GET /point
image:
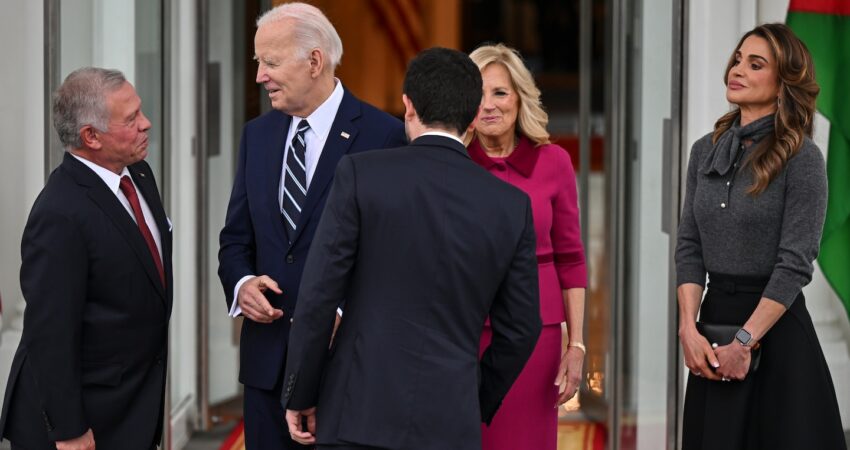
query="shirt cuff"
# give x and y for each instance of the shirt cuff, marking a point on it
(339, 311)
(235, 310)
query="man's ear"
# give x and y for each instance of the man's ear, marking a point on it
(90, 138)
(471, 127)
(409, 110)
(317, 62)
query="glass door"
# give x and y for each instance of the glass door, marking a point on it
(645, 117)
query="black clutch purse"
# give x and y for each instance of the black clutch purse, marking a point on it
(725, 334)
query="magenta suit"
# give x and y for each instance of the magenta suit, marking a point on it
(528, 418)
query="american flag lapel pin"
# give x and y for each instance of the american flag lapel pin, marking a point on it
(345, 135)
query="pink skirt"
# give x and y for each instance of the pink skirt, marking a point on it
(528, 418)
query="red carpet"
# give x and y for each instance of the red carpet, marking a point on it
(571, 436)
(236, 439)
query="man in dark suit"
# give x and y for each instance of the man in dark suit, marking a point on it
(424, 245)
(96, 278)
(287, 159)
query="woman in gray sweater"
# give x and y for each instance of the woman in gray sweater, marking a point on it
(752, 220)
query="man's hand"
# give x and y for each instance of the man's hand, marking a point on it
(569, 374)
(84, 442)
(294, 420)
(254, 304)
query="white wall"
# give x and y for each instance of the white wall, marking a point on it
(21, 151)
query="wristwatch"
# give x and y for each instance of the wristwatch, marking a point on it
(744, 337)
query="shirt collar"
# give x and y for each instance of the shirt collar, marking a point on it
(440, 133)
(112, 180)
(323, 117)
(522, 159)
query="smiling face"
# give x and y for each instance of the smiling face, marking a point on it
(752, 81)
(125, 141)
(499, 105)
(283, 72)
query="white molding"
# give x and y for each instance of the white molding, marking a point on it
(183, 416)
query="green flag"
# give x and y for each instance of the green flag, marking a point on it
(824, 26)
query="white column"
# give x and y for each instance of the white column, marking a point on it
(183, 335)
(22, 153)
(114, 36)
(828, 314)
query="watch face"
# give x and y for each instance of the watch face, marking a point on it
(743, 336)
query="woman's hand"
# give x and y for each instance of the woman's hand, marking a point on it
(699, 356)
(569, 374)
(734, 361)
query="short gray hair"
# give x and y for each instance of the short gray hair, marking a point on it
(81, 101)
(312, 29)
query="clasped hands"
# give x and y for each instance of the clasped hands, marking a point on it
(723, 363)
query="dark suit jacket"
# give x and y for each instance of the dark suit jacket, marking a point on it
(424, 244)
(254, 241)
(93, 350)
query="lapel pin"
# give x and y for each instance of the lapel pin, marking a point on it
(142, 174)
(345, 135)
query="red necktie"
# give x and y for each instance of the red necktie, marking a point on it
(130, 192)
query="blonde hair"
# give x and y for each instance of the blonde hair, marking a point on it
(795, 104)
(531, 118)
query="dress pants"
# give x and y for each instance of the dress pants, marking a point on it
(265, 421)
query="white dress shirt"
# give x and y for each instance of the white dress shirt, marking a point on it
(321, 121)
(443, 134)
(113, 182)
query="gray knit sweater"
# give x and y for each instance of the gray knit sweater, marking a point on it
(774, 235)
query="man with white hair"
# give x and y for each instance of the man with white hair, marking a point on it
(287, 159)
(96, 277)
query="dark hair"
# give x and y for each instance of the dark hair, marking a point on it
(445, 88)
(795, 105)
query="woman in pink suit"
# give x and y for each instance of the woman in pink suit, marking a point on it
(510, 141)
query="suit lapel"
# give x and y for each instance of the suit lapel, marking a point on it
(274, 149)
(112, 208)
(342, 134)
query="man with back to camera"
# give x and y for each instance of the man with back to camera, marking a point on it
(424, 244)
(287, 159)
(96, 276)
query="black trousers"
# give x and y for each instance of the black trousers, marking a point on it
(788, 404)
(265, 421)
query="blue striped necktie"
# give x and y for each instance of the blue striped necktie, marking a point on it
(295, 180)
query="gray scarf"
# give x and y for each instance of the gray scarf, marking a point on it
(726, 150)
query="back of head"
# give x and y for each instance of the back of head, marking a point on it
(81, 101)
(310, 27)
(445, 88)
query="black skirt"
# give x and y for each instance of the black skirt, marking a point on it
(788, 404)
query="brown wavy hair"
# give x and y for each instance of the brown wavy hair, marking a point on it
(795, 104)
